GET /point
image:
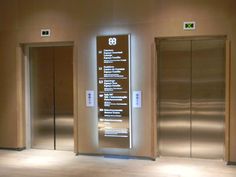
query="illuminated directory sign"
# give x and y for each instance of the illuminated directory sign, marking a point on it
(113, 83)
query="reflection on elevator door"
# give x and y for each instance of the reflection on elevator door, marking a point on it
(51, 97)
(191, 98)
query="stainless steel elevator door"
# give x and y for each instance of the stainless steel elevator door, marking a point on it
(64, 98)
(51, 85)
(42, 99)
(208, 98)
(174, 98)
(191, 98)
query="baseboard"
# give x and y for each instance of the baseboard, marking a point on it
(231, 163)
(89, 154)
(13, 149)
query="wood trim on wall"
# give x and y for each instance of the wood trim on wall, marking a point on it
(20, 98)
(157, 41)
(154, 105)
(75, 90)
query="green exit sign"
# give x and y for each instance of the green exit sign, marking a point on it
(189, 25)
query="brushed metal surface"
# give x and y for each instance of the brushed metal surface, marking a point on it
(64, 97)
(192, 98)
(208, 98)
(174, 98)
(42, 108)
(52, 97)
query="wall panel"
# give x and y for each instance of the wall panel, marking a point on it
(8, 97)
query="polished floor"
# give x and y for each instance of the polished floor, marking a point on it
(43, 163)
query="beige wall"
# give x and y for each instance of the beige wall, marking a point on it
(81, 21)
(8, 137)
(7, 91)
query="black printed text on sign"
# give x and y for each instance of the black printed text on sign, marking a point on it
(114, 119)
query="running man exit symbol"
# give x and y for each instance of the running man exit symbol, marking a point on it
(189, 25)
(45, 32)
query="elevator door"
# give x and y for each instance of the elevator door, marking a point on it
(191, 98)
(51, 86)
